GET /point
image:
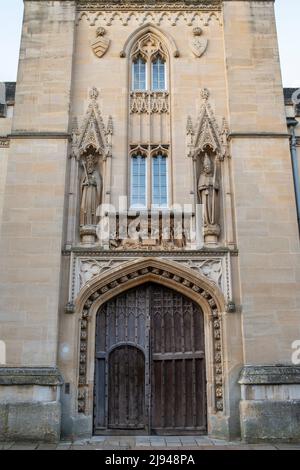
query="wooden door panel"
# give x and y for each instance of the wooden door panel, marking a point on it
(178, 364)
(150, 363)
(126, 388)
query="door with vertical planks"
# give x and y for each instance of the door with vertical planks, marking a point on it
(178, 379)
(150, 364)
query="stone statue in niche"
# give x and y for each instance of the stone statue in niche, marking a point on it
(91, 191)
(208, 192)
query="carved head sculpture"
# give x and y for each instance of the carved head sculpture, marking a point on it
(207, 166)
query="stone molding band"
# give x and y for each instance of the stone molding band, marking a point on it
(270, 375)
(40, 135)
(42, 376)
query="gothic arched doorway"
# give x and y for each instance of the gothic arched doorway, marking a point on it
(150, 364)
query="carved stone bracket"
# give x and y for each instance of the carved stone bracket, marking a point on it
(152, 272)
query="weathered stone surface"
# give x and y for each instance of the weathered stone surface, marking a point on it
(30, 376)
(263, 420)
(269, 374)
(30, 422)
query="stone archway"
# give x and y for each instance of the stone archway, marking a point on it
(134, 273)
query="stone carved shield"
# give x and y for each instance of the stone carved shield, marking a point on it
(198, 45)
(101, 44)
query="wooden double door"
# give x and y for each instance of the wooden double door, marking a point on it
(150, 364)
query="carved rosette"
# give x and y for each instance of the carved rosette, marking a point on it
(215, 318)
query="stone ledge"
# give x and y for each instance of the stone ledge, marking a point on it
(270, 375)
(30, 376)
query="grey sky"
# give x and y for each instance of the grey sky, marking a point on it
(287, 12)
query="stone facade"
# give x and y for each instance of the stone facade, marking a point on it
(66, 146)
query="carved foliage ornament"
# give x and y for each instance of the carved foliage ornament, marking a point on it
(151, 4)
(215, 318)
(93, 133)
(157, 16)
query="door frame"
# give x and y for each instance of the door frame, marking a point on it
(182, 279)
(148, 355)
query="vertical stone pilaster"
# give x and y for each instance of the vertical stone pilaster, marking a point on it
(266, 222)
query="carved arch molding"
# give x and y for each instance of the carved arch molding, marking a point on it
(138, 274)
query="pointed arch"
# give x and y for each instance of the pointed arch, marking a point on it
(149, 28)
(132, 274)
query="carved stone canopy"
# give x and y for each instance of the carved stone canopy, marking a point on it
(207, 135)
(93, 133)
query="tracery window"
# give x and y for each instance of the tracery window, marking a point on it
(149, 124)
(158, 74)
(153, 163)
(159, 181)
(149, 68)
(138, 181)
(139, 74)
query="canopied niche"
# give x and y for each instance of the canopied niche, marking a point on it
(207, 146)
(92, 149)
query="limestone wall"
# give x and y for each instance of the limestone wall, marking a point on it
(35, 187)
(266, 224)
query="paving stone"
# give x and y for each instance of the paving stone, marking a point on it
(143, 444)
(262, 447)
(81, 447)
(6, 445)
(80, 442)
(97, 439)
(188, 440)
(24, 446)
(63, 447)
(47, 447)
(287, 446)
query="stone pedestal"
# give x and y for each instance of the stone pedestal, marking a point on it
(30, 407)
(211, 235)
(270, 403)
(88, 234)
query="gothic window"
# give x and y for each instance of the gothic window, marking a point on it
(149, 68)
(159, 181)
(158, 74)
(149, 123)
(138, 181)
(139, 74)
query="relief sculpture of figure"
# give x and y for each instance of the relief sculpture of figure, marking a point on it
(208, 191)
(91, 190)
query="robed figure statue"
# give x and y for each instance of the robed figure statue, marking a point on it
(91, 191)
(208, 191)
